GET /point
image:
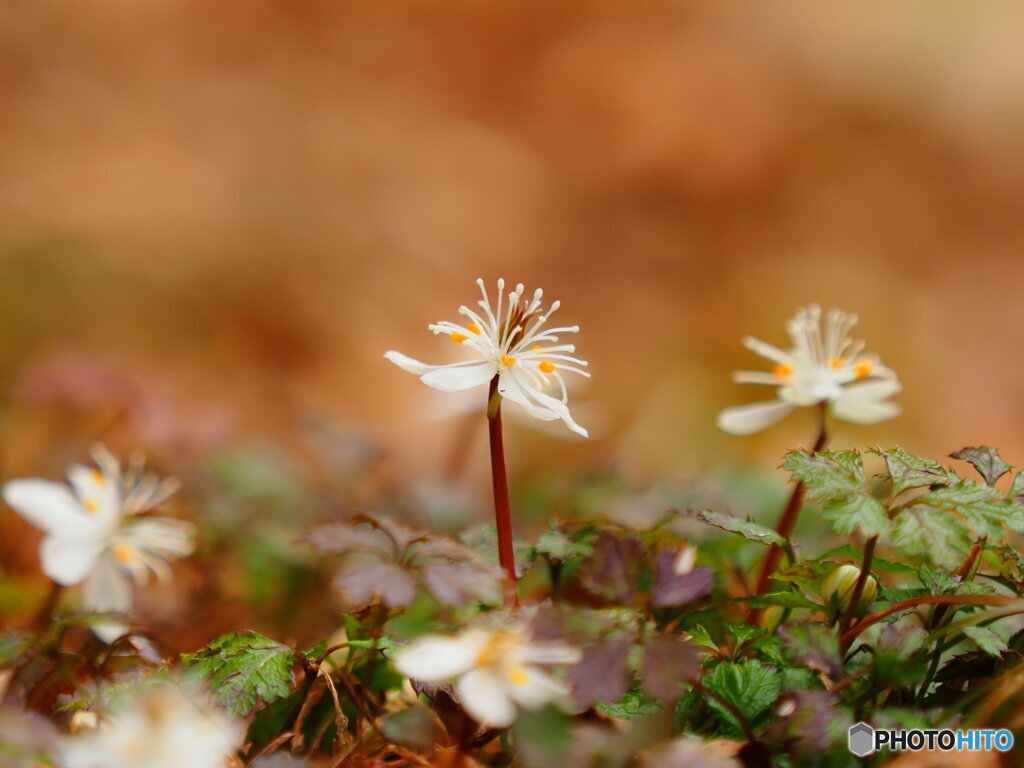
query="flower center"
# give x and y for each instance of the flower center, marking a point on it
(783, 371)
(546, 366)
(508, 361)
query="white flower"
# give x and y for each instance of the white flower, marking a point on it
(495, 670)
(513, 343)
(94, 533)
(159, 728)
(820, 367)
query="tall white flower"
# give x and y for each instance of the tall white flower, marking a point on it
(94, 532)
(161, 727)
(494, 669)
(822, 365)
(512, 342)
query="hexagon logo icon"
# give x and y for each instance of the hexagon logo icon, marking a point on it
(861, 739)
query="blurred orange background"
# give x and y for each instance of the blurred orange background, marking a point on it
(216, 217)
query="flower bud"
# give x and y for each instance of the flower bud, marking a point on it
(841, 583)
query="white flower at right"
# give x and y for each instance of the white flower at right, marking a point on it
(95, 534)
(495, 670)
(821, 366)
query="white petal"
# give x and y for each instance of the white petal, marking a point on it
(747, 419)
(532, 688)
(164, 536)
(97, 491)
(67, 559)
(108, 588)
(51, 507)
(407, 363)
(537, 404)
(433, 659)
(483, 694)
(459, 376)
(865, 403)
(549, 653)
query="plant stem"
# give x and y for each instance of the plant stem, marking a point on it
(858, 588)
(499, 478)
(787, 522)
(44, 616)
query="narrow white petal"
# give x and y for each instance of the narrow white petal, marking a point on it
(434, 659)
(459, 376)
(872, 389)
(532, 688)
(484, 695)
(407, 363)
(68, 559)
(50, 507)
(747, 419)
(865, 403)
(537, 404)
(549, 653)
(108, 588)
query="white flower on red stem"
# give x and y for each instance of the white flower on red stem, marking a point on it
(495, 670)
(95, 535)
(821, 366)
(513, 343)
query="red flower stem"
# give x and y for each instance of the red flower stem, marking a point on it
(788, 521)
(499, 478)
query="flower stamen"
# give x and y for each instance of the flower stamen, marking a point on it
(546, 366)
(783, 372)
(508, 361)
(458, 338)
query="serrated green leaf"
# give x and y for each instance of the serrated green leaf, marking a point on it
(835, 480)
(987, 639)
(700, 636)
(909, 471)
(748, 529)
(932, 534)
(558, 545)
(744, 632)
(786, 599)
(242, 669)
(986, 460)
(1017, 486)
(984, 509)
(631, 706)
(806, 574)
(750, 686)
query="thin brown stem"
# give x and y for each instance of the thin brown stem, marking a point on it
(847, 639)
(965, 573)
(44, 616)
(858, 588)
(499, 478)
(787, 522)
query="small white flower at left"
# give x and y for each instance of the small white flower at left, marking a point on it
(495, 670)
(95, 535)
(162, 726)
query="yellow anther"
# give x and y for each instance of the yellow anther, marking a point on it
(97, 477)
(508, 361)
(537, 348)
(546, 366)
(518, 676)
(474, 328)
(92, 506)
(783, 371)
(124, 552)
(836, 363)
(458, 338)
(863, 368)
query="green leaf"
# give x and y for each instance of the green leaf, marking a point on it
(744, 632)
(806, 574)
(984, 509)
(850, 552)
(787, 599)
(987, 639)
(748, 529)
(700, 636)
(557, 545)
(631, 706)
(835, 480)
(986, 460)
(1017, 486)
(909, 471)
(938, 537)
(243, 669)
(750, 686)
(13, 646)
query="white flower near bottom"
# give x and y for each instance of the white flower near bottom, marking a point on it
(495, 671)
(162, 727)
(511, 342)
(822, 366)
(95, 535)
